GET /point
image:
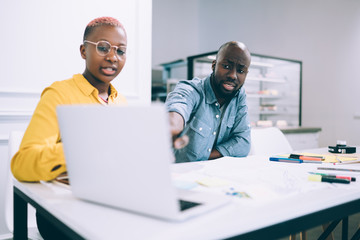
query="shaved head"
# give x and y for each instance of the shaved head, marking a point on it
(240, 45)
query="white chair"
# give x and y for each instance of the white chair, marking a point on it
(6, 200)
(269, 141)
(5, 232)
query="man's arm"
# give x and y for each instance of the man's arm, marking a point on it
(238, 143)
(41, 155)
(215, 154)
(176, 127)
(180, 103)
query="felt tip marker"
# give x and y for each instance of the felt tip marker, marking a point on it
(311, 161)
(288, 160)
(319, 178)
(310, 158)
(352, 179)
(291, 160)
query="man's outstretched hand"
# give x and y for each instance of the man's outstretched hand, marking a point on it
(176, 127)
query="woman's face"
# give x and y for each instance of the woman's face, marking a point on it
(104, 68)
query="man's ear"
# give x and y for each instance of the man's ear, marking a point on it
(82, 51)
(213, 65)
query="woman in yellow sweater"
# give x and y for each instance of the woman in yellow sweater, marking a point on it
(41, 156)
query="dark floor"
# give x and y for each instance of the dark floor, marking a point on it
(314, 233)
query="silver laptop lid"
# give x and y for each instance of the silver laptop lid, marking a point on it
(120, 156)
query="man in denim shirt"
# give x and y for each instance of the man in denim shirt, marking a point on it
(210, 115)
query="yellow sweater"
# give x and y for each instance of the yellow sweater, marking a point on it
(41, 156)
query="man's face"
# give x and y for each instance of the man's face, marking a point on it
(230, 70)
(104, 68)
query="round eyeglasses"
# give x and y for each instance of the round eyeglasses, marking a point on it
(103, 48)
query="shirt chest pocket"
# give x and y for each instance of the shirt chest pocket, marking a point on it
(200, 127)
(230, 122)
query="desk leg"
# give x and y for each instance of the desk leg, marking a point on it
(345, 228)
(356, 235)
(20, 217)
(329, 230)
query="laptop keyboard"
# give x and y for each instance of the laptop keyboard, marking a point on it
(186, 204)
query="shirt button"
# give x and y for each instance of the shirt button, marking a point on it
(200, 129)
(209, 150)
(216, 104)
(217, 116)
(214, 133)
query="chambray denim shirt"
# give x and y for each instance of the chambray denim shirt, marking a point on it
(195, 101)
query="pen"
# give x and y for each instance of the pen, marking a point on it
(352, 179)
(338, 169)
(319, 178)
(289, 160)
(309, 158)
(311, 161)
(346, 162)
(302, 157)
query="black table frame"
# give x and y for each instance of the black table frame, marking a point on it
(334, 214)
(20, 217)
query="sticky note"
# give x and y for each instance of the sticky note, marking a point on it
(212, 182)
(185, 184)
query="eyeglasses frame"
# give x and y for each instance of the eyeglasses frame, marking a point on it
(111, 46)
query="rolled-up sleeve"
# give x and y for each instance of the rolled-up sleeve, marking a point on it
(183, 99)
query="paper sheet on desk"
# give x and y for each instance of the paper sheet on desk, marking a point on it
(263, 183)
(330, 158)
(213, 182)
(334, 158)
(256, 177)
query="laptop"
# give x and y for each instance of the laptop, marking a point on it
(120, 156)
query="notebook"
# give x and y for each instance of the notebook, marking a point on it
(121, 156)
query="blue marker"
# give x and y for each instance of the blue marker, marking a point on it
(288, 160)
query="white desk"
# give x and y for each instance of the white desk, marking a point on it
(283, 202)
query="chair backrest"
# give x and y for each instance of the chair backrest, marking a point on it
(268, 141)
(15, 138)
(6, 185)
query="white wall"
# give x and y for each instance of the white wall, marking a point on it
(324, 34)
(40, 43)
(175, 30)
